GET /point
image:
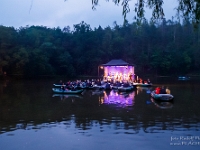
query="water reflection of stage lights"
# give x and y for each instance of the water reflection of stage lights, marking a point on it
(120, 99)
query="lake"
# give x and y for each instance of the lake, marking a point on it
(34, 118)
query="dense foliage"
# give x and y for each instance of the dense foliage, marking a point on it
(164, 48)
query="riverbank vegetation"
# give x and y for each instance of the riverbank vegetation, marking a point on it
(163, 48)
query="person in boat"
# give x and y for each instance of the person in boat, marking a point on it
(130, 77)
(61, 82)
(107, 86)
(148, 81)
(68, 83)
(157, 90)
(102, 82)
(126, 84)
(93, 82)
(89, 84)
(168, 90)
(73, 88)
(140, 80)
(63, 87)
(83, 84)
(97, 82)
(163, 90)
(143, 81)
(118, 84)
(78, 84)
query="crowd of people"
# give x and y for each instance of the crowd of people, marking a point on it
(130, 78)
(80, 84)
(90, 83)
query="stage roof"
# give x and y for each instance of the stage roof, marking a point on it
(117, 62)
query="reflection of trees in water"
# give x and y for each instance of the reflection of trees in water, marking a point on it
(36, 112)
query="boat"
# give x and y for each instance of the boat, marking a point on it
(162, 97)
(66, 91)
(143, 84)
(65, 96)
(125, 89)
(87, 87)
(105, 86)
(99, 87)
(70, 86)
(115, 86)
(59, 85)
(184, 78)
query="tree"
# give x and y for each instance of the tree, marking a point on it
(8, 38)
(19, 60)
(185, 8)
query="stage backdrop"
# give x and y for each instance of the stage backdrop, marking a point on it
(118, 69)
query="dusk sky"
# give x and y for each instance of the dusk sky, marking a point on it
(60, 13)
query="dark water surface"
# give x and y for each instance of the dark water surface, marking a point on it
(33, 118)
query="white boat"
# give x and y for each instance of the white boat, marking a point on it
(162, 97)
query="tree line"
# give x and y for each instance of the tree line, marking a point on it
(164, 48)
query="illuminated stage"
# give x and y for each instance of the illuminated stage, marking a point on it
(118, 70)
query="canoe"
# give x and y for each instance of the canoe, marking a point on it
(162, 97)
(60, 91)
